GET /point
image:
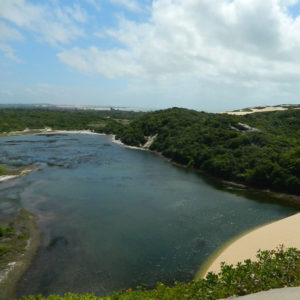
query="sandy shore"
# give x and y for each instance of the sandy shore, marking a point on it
(150, 141)
(7, 177)
(13, 267)
(268, 237)
(19, 173)
(118, 142)
(47, 131)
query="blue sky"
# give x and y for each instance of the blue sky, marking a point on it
(211, 55)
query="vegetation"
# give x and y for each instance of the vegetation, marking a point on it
(13, 239)
(5, 234)
(273, 269)
(260, 149)
(18, 119)
(2, 170)
(19, 239)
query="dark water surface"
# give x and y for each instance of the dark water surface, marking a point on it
(114, 218)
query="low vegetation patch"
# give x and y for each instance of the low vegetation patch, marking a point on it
(19, 240)
(6, 237)
(259, 149)
(273, 269)
(2, 170)
(13, 240)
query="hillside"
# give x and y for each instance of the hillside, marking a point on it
(259, 149)
(18, 119)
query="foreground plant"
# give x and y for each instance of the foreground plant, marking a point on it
(273, 269)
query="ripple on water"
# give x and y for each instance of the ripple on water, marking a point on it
(113, 218)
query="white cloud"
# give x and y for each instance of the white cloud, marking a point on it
(8, 52)
(94, 3)
(77, 13)
(52, 23)
(8, 34)
(246, 42)
(131, 5)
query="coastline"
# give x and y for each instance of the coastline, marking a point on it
(273, 196)
(284, 198)
(245, 246)
(18, 262)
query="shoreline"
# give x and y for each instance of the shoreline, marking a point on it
(245, 246)
(212, 263)
(281, 197)
(207, 265)
(47, 131)
(274, 196)
(9, 175)
(16, 265)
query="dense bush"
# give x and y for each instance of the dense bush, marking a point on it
(261, 149)
(2, 170)
(19, 119)
(5, 232)
(273, 269)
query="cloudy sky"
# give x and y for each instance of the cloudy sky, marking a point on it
(208, 55)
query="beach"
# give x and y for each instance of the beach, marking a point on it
(268, 237)
(47, 131)
(16, 173)
(14, 264)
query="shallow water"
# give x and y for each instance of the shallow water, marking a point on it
(113, 218)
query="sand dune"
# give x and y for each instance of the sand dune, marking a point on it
(285, 231)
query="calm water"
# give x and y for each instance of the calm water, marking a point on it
(114, 218)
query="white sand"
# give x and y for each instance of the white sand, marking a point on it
(7, 177)
(24, 172)
(150, 141)
(118, 142)
(268, 237)
(72, 132)
(146, 146)
(254, 110)
(48, 131)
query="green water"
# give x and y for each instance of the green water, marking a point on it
(113, 218)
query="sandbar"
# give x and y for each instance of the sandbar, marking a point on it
(268, 237)
(14, 264)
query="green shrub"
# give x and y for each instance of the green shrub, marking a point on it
(4, 250)
(273, 269)
(5, 232)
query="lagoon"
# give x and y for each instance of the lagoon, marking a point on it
(115, 218)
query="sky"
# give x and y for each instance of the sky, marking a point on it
(210, 55)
